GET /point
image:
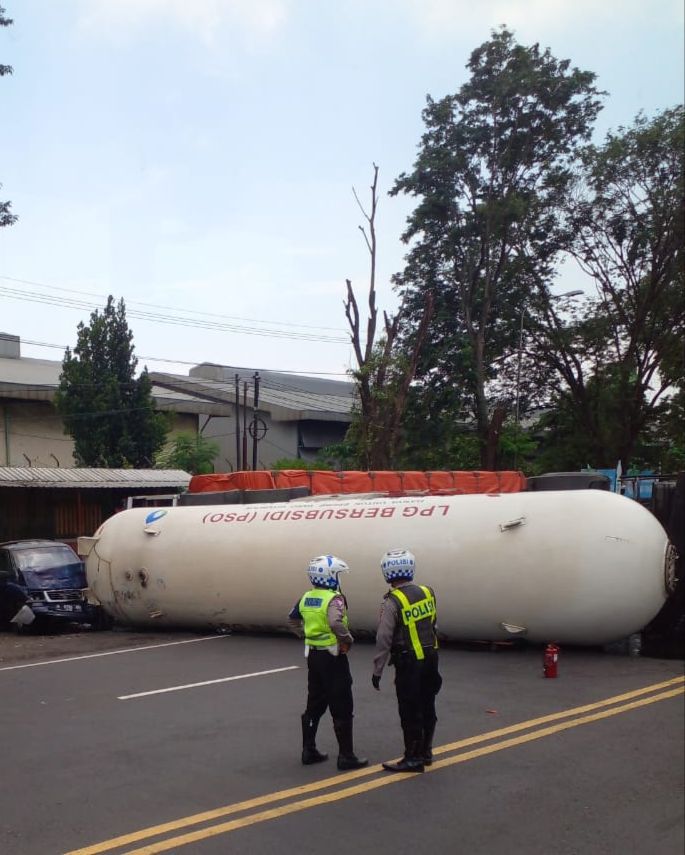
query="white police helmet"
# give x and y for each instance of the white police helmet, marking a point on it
(324, 571)
(398, 564)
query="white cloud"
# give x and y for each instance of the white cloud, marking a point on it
(450, 16)
(203, 18)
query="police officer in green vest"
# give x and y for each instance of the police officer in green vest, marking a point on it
(406, 636)
(321, 615)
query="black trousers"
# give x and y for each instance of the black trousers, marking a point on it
(417, 682)
(329, 685)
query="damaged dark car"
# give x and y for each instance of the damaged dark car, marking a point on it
(44, 581)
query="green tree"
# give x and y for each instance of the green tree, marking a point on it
(299, 463)
(670, 434)
(339, 455)
(493, 168)
(6, 217)
(107, 410)
(190, 452)
(618, 364)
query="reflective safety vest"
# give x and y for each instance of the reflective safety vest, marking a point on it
(417, 614)
(314, 610)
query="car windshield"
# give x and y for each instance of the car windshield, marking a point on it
(45, 558)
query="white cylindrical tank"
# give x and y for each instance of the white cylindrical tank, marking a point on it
(579, 566)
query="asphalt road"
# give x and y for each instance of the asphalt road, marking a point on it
(93, 752)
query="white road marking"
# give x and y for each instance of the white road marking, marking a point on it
(110, 653)
(206, 683)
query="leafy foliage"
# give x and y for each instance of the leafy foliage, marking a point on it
(298, 463)
(669, 434)
(377, 431)
(340, 455)
(518, 449)
(5, 22)
(6, 216)
(493, 169)
(617, 364)
(190, 452)
(107, 410)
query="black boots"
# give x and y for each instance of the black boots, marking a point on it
(343, 731)
(413, 760)
(427, 752)
(347, 759)
(309, 752)
(418, 751)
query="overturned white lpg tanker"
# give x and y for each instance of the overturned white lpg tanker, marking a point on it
(577, 567)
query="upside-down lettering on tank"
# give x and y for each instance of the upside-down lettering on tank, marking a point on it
(539, 580)
(328, 514)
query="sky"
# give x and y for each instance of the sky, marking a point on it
(198, 158)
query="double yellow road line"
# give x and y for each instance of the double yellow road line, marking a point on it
(342, 786)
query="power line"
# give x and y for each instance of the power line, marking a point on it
(266, 384)
(167, 308)
(15, 433)
(169, 360)
(286, 451)
(173, 320)
(277, 389)
(305, 394)
(226, 387)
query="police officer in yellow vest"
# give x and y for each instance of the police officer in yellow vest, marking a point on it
(406, 635)
(321, 614)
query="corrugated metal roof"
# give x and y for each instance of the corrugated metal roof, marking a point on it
(278, 379)
(283, 402)
(30, 372)
(17, 476)
(208, 389)
(37, 380)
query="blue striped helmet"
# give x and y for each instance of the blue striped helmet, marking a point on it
(324, 571)
(398, 564)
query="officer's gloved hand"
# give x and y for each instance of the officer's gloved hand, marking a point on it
(376, 682)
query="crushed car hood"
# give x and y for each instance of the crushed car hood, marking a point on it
(69, 576)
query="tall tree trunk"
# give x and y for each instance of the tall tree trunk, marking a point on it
(494, 430)
(380, 373)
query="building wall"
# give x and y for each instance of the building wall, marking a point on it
(292, 440)
(31, 434)
(280, 441)
(61, 513)
(315, 435)
(182, 423)
(50, 513)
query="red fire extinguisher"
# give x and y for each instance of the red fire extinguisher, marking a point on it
(550, 660)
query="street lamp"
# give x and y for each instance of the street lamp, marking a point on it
(575, 293)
